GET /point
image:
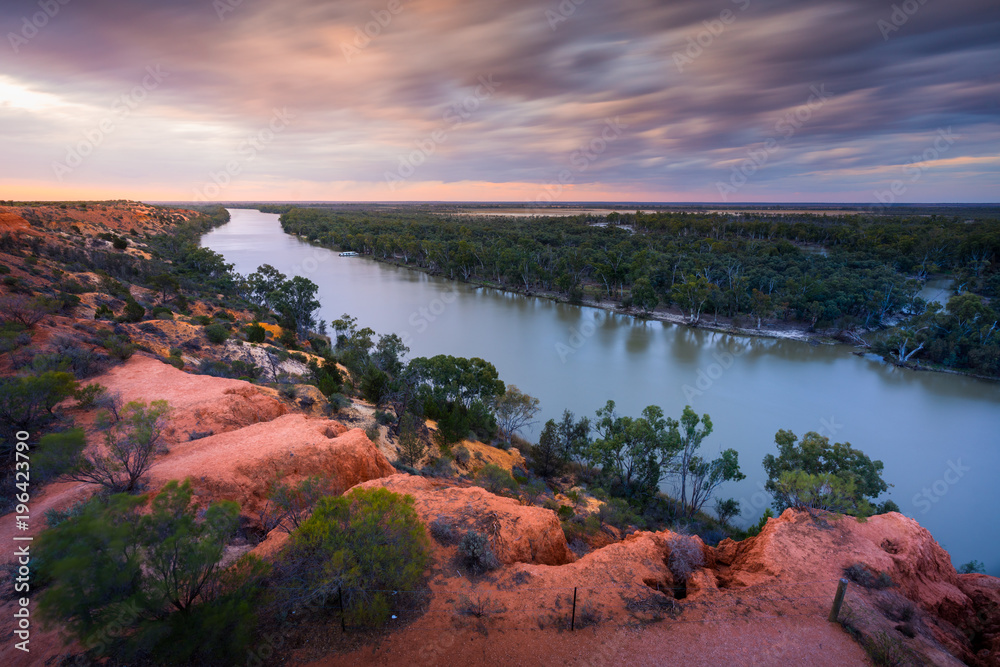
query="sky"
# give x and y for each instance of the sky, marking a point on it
(515, 100)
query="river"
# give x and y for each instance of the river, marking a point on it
(936, 433)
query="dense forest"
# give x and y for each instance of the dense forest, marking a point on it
(857, 276)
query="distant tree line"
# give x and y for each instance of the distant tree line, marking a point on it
(857, 273)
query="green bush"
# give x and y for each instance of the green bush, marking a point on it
(290, 503)
(462, 456)
(134, 586)
(972, 567)
(367, 543)
(477, 554)
(495, 479)
(119, 346)
(216, 334)
(26, 404)
(56, 453)
(564, 512)
(85, 396)
(103, 312)
(255, 333)
(618, 513)
(164, 311)
(133, 312)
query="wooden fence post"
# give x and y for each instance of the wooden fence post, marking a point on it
(572, 620)
(838, 600)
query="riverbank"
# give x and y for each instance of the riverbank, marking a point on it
(773, 329)
(719, 324)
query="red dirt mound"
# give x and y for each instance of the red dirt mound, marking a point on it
(518, 533)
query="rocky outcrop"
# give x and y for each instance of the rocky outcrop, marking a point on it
(242, 465)
(199, 404)
(518, 533)
(946, 613)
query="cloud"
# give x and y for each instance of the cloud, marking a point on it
(369, 80)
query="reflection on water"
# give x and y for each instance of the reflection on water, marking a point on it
(578, 357)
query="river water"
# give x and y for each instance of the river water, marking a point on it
(936, 433)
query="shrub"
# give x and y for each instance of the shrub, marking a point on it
(119, 242)
(255, 333)
(164, 311)
(87, 395)
(57, 452)
(216, 334)
(618, 513)
(865, 576)
(367, 543)
(119, 346)
(26, 403)
(443, 531)
(104, 312)
(83, 362)
(133, 312)
(495, 479)
(533, 490)
(462, 455)
(438, 467)
(972, 567)
(373, 433)
(685, 556)
(24, 310)
(564, 512)
(130, 446)
(54, 517)
(291, 503)
(132, 585)
(411, 446)
(477, 554)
